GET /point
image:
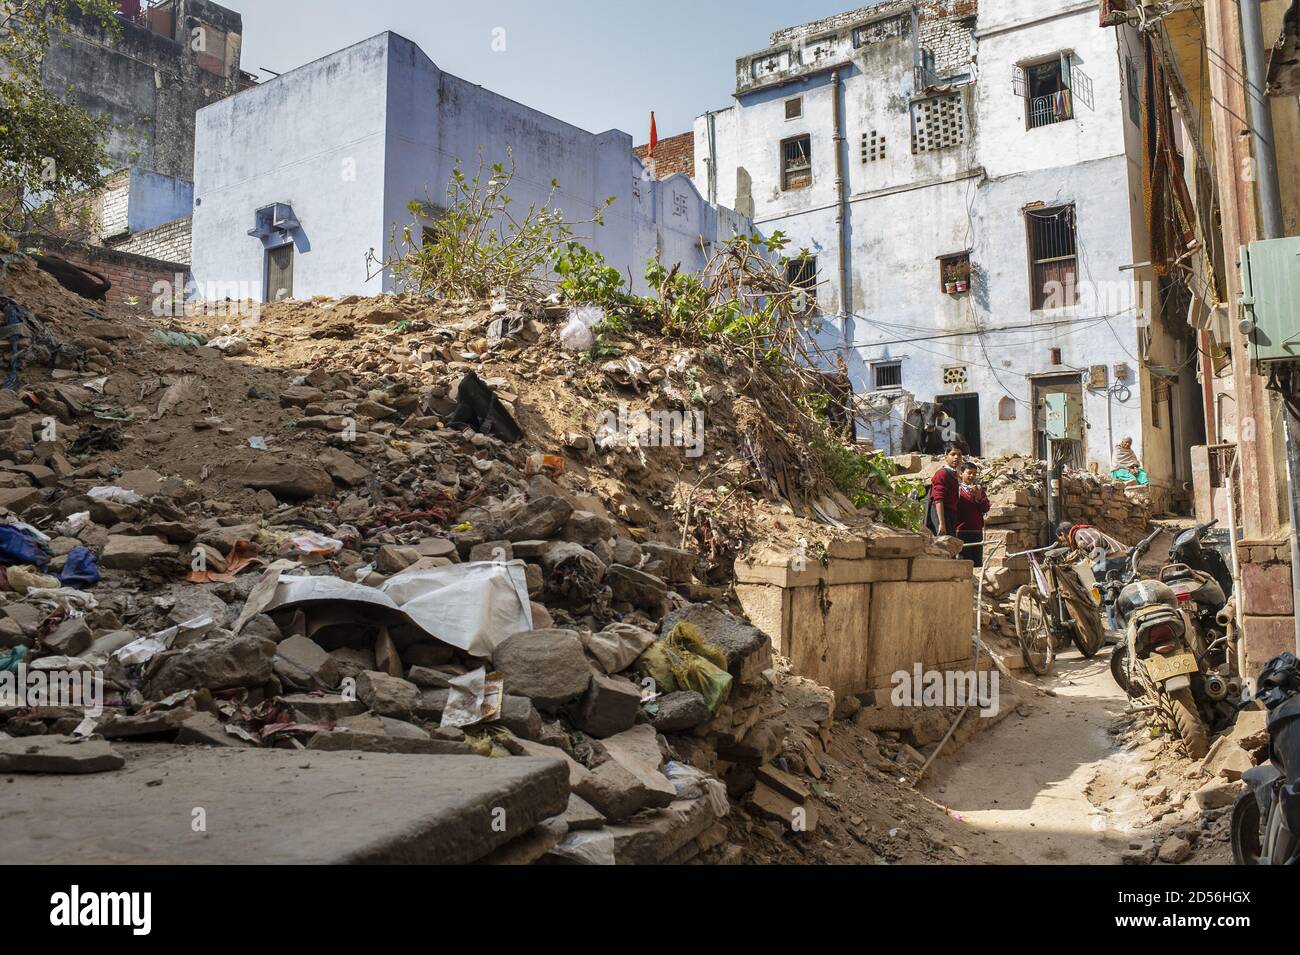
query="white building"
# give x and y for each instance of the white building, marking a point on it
(899, 141)
(298, 178)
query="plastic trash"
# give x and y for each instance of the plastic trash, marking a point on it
(575, 336)
(9, 659)
(144, 649)
(19, 547)
(80, 569)
(685, 661)
(73, 524)
(473, 697)
(311, 544)
(118, 495)
(595, 847)
(24, 578)
(692, 783)
(229, 344)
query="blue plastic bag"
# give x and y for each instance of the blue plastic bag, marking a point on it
(80, 569)
(17, 547)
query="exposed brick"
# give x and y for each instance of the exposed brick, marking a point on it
(672, 155)
(133, 276)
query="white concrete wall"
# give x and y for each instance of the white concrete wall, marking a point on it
(313, 138)
(391, 132)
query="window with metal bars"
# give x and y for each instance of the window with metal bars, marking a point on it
(796, 162)
(1047, 92)
(802, 273)
(1053, 257)
(887, 374)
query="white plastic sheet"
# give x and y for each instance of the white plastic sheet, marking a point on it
(472, 606)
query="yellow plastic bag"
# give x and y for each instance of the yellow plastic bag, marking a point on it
(686, 661)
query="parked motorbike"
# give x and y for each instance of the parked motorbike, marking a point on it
(1189, 549)
(1192, 574)
(1164, 662)
(1265, 825)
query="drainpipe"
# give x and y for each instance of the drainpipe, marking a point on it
(713, 157)
(1271, 227)
(839, 198)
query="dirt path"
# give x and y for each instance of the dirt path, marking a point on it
(1025, 781)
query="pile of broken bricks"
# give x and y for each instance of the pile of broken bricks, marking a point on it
(184, 626)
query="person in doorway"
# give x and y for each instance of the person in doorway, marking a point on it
(1125, 465)
(945, 491)
(972, 505)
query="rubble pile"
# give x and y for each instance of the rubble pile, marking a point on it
(1184, 807)
(385, 526)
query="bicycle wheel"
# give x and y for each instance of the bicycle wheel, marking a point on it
(1088, 633)
(1034, 630)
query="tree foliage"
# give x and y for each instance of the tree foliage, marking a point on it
(50, 148)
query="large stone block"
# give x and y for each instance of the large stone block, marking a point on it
(914, 622)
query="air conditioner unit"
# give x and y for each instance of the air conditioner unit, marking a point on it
(1270, 278)
(274, 223)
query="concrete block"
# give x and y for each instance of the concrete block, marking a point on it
(277, 807)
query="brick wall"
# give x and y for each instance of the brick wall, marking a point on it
(169, 242)
(1267, 604)
(133, 276)
(672, 155)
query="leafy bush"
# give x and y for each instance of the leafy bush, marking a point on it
(478, 246)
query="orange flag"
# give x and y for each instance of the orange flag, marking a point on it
(654, 135)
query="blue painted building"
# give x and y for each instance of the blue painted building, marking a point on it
(298, 178)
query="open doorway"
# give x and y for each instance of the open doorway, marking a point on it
(965, 411)
(278, 273)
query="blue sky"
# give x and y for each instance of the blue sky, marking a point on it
(598, 65)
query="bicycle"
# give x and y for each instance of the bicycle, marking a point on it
(1054, 610)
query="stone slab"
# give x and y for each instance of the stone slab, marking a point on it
(279, 807)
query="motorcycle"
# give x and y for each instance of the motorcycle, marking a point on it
(1193, 575)
(1265, 826)
(1188, 549)
(1164, 661)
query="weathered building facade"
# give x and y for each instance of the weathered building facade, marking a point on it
(340, 179)
(966, 177)
(171, 59)
(1196, 94)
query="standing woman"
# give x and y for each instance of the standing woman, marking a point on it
(972, 505)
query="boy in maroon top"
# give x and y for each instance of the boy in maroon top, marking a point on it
(972, 505)
(944, 493)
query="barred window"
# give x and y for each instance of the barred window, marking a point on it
(1053, 257)
(796, 162)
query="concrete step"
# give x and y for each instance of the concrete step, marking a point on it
(200, 806)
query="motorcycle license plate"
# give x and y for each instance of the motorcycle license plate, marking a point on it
(1162, 668)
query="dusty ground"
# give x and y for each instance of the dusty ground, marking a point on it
(1078, 779)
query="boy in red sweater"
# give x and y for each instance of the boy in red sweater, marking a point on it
(942, 518)
(972, 505)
